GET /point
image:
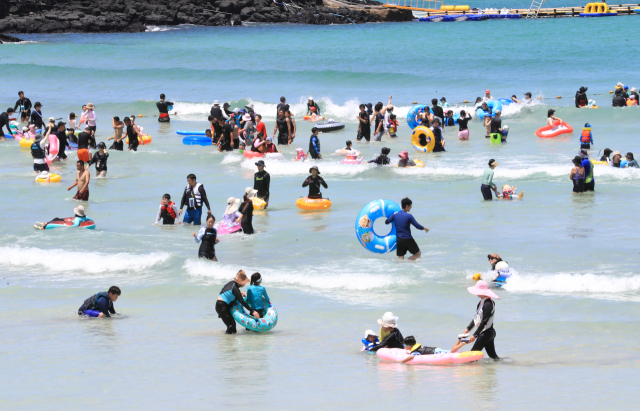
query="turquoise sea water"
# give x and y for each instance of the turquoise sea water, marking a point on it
(566, 322)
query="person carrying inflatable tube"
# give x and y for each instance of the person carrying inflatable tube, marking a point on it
(403, 221)
(586, 138)
(418, 115)
(228, 295)
(101, 304)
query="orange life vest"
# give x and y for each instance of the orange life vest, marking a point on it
(631, 102)
(586, 135)
(169, 209)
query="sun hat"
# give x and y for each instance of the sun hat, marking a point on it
(39, 137)
(482, 288)
(216, 103)
(52, 119)
(250, 192)
(619, 84)
(316, 168)
(260, 163)
(389, 320)
(502, 266)
(497, 111)
(232, 205)
(615, 153)
(487, 91)
(311, 98)
(79, 210)
(633, 89)
(25, 129)
(236, 110)
(91, 106)
(403, 154)
(246, 117)
(250, 106)
(583, 153)
(301, 149)
(368, 333)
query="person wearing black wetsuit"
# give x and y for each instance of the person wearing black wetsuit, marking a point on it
(163, 109)
(283, 102)
(383, 159)
(262, 182)
(437, 110)
(24, 106)
(226, 131)
(4, 121)
(36, 115)
(63, 142)
(389, 333)
(282, 126)
(364, 124)
(246, 210)
(216, 111)
(581, 97)
(208, 237)
(312, 107)
(314, 181)
(100, 160)
(230, 294)
(437, 134)
(131, 134)
(618, 100)
(217, 130)
(484, 335)
(101, 304)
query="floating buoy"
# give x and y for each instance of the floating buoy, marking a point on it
(559, 97)
(139, 115)
(465, 101)
(415, 102)
(610, 91)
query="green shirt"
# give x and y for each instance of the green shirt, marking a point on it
(487, 178)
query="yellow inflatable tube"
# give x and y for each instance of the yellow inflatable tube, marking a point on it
(53, 178)
(25, 142)
(419, 163)
(415, 139)
(141, 139)
(258, 203)
(307, 203)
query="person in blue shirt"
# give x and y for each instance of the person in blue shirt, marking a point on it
(101, 304)
(314, 145)
(228, 295)
(589, 179)
(370, 340)
(257, 296)
(405, 241)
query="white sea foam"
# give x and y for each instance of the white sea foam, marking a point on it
(573, 283)
(56, 260)
(232, 158)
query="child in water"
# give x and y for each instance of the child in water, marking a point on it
(370, 340)
(405, 161)
(586, 138)
(509, 193)
(392, 126)
(300, 155)
(414, 349)
(241, 148)
(257, 297)
(382, 159)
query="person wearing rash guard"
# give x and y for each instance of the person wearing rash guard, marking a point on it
(257, 296)
(378, 118)
(283, 127)
(79, 217)
(163, 109)
(313, 108)
(438, 135)
(370, 340)
(230, 293)
(226, 130)
(216, 111)
(581, 97)
(618, 100)
(438, 112)
(101, 304)
(283, 102)
(487, 181)
(262, 182)
(168, 211)
(404, 221)
(390, 335)
(62, 140)
(4, 122)
(496, 127)
(590, 180)
(405, 161)
(36, 115)
(314, 145)
(463, 129)
(364, 124)
(207, 237)
(132, 132)
(194, 196)
(38, 153)
(314, 181)
(100, 160)
(23, 105)
(246, 211)
(481, 327)
(382, 159)
(448, 120)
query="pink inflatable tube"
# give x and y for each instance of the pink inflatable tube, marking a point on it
(53, 149)
(228, 229)
(398, 355)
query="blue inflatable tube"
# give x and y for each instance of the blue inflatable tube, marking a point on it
(364, 226)
(505, 101)
(263, 324)
(413, 112)
(493, 104)
(190, 133)
(196, 141)
(92, 313)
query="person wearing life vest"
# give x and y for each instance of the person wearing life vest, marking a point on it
(581, 97)
(168, 211)
(163, 109)
(481, 327)
(370, 340)
(631, 101)
(589, 179)
(101, 304)
(38, 153)
(586, 138)
(194, 197)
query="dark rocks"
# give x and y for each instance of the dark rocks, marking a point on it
(8, 39)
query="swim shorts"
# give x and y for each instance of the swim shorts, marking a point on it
(406, 244)
(193, 215)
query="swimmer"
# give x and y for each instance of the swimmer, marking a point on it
(630, 161)
(349, 146)
(257, 296)
(551, 118)
(370, 340)
(405, 161)
(241, 148)
(382, 159)
(79, 217)
(364, 124)
(314, 181)
(100, 160)
(208, 238)
(443, 103)
(514, 99)
(487, 96)
(509, 193)
(300, 155)
(313, 109)
(168, 211)
(586, 138)
(101, 304)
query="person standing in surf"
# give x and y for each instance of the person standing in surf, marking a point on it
(404, 221)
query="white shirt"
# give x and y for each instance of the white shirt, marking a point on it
(91, 118)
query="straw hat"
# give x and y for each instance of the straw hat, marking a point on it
(481, 288)
(232, 205)
(389, 320)
(91, 106)
(79, 210)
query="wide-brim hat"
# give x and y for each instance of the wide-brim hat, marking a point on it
(250, 192)
(615, 153)
(482, 288)
(403, 154)
(260, 163)
(91, 106)
(389, 320)
(249, 106)
(232, 205)
(216, 103)
(79, 210)
(247, 117)
(314, 168)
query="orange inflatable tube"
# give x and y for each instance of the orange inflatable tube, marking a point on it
(559, 127)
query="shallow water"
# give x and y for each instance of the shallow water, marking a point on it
(565, 323)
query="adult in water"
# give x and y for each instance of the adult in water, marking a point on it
(438, 112)
(581, 97)
(38, 154)
(404, 221)
(496, 127)
(438, 136)
(36, 115)
(24, 106)
(390, 335)
(4, 122)
(228, 295)
(589, 180)
(132, 132)
(208, 238)
(483, 334)
(79, 217)
(314, 181)
(246, 211)
(85, 140)
(101, 304)
(262, 182)
(383, 159)
(283, 127)
(487, 181)
(313, 108)
(193, 197)
(163, 109)
(82, 182)
(463, 128)
(577, 175)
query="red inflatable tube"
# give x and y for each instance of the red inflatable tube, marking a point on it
(559, 127)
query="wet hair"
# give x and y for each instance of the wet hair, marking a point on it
(348, 142)
(528, 94)
(550, 112)
(161, 96)
(116, 118)
(514, 96)
(191, 176)
(434, 101)
(80, 162)
(73, 115)
(241, 276)
(256, 278)
(436, 120)
(242, 144)
(478, 99)
(491, 161)
(385, 150)
(607, 152)
(406, 202)
(286, 107)
(313, 130)
(259, 115)
(392, 116)
(167, 196)
(410, 340)
(207, 131)
(362, 106)
(378, 106)
(210, 216)
(630, 155)
(283, 99)
(10, 110)
(115, 290)
(463, 113)
(127, 119)
(577, 160)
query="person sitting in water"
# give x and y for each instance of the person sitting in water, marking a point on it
(630, 161)
(581, 97)
(551, 119)
(270, 147)
(413, 348)
(313, 109)
(616, 159)
(383, 159)
(618, 99)
(586, 138)
(231, 213)
(258, 144)
(300, 155)
(168, 211)
(370, 340)
(509, 193)
(631, 101)
(514, 99)
(79, 217)
(257, 296)
(314, 144)
(405, 161)
(439, 137)
(448, 120)
(241, 148)
(390, 335)
(314, 181)
(101, 304)
(163, 109)
(208, 238)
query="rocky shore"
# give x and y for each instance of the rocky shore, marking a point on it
(110, 16)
